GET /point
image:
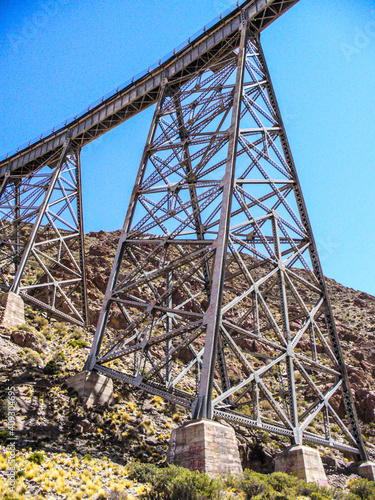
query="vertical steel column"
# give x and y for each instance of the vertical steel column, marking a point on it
(42, 209)
(17, 214)
(103, 317)
(4, 183)
(183, 134)
(81, 235)
(284, 311)
(168, 345)
(203, 405)
(348, 398)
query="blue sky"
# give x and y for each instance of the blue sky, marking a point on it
(58, 56)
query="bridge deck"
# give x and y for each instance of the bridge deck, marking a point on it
(142, 93)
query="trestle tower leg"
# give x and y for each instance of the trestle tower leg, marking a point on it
(217, 273)
(42, 239)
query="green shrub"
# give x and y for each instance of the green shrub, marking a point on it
(174, 483)
(4, 436)
(31, 357)
(61, 328)
(59, 357)
(363, 489)
(51, 368)
(277, 486)
(77, 343)
(347, 496)
(46, 331)
(77, 333)
(36, 457)
(184, 484)
(318, 495)
(27, 328)
(142, 473)
(280, 481)
(40, 321)
(42, 339)
(253, 484)
(177, 483)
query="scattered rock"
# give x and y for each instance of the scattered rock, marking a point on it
(26, 339)
(330, 462)
(357, 354)
(87, 427)
(365, 405)
(359, 303)
(9, 353)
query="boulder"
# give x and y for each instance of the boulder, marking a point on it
(371, 356)
(357, 354)
(87, 427)
(26, 339)
(346, 333)
(359, 303)
(365, 405)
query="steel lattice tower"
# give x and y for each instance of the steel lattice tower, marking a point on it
(41, 235)
(216, 274)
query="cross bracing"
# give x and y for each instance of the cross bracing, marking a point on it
(40, 156)
(216, 273)
(41, 236)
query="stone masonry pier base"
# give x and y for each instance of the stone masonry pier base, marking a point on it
(303, 462)
(367, 470)
(14, 312)
(206, 446)
(92, 388)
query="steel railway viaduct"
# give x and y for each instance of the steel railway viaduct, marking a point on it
(216, 258)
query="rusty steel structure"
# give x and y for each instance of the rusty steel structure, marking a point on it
(216, 279)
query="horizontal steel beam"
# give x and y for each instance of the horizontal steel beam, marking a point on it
(143, 92)
(228, 415)
(174, 396)
(307, 436)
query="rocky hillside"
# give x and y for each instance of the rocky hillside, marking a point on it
(38, 357)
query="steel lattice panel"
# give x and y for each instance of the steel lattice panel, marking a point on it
(216, 276)
(41, 237)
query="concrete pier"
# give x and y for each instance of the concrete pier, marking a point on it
(303, 462)
(206, 446)
(14, 310)
(92, 388)
(367, 470)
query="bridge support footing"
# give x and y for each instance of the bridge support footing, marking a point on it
(367, 470)
(92, 388)
(303, 462)
(14, 310)
(206, 446)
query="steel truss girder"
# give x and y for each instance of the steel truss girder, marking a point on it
(216, 276)
(42, 237)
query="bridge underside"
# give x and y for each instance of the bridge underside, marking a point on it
(142, 93)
